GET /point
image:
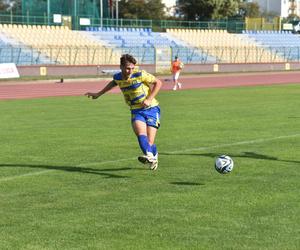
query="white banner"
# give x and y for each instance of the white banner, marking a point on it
(8, 70)
(84, 21)
(56, 18)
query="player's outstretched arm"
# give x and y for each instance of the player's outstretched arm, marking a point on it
(107, 88)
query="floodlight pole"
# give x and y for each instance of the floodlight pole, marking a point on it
(101, 13)
(75, 8)
(48, 11)
(75, 15)
(117, 13)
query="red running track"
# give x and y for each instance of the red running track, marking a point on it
(15, 90)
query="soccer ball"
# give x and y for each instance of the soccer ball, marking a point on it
(224, 164)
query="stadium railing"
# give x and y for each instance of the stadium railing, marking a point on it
(235, 26)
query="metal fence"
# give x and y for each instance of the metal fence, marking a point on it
(236, 26)
(9, 18)
(73, 21)
(71, 55)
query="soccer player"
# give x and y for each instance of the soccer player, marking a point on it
(139, 89)
(176, 68)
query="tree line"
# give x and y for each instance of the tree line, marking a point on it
(190, 10)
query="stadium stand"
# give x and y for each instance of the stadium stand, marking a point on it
(284, 43)
(142, 43)
(59, 44)
(16, 52)
(37, 44)
(231, 48)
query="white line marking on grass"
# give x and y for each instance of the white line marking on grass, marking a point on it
(24, 175)
(50, 170)
(172, 152)
(236, 143)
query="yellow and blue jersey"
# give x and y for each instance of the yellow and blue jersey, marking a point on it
(136, 89)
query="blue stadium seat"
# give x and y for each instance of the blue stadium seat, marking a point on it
(143, 39)
(283, 43)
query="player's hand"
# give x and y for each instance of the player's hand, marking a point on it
(92, 95)
(147, 103)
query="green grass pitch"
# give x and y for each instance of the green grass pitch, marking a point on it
(69, 177)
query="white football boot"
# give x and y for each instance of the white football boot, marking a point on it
(154, 164)
(179, 85)
(148, 158)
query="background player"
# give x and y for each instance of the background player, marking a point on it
(176, 68)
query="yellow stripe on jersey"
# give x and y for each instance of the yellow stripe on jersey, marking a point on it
(136, 89)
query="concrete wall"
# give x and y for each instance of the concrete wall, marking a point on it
(69, 71)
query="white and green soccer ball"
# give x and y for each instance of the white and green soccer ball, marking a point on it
(224, 164)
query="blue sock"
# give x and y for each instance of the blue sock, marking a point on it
(154, 149)
(144, 144)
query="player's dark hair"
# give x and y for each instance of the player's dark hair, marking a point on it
(127, 58)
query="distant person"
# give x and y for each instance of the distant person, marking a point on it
(176, 68)
(139, 89)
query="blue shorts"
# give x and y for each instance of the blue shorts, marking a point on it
(150, 116)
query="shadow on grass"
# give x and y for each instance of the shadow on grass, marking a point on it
(251, 155)
(186, 183)
(103, 172)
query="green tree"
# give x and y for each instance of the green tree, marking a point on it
(3, 5)
(208, 9)
(11, 5)
(225, 8)
(249, 10)
(141, 9)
